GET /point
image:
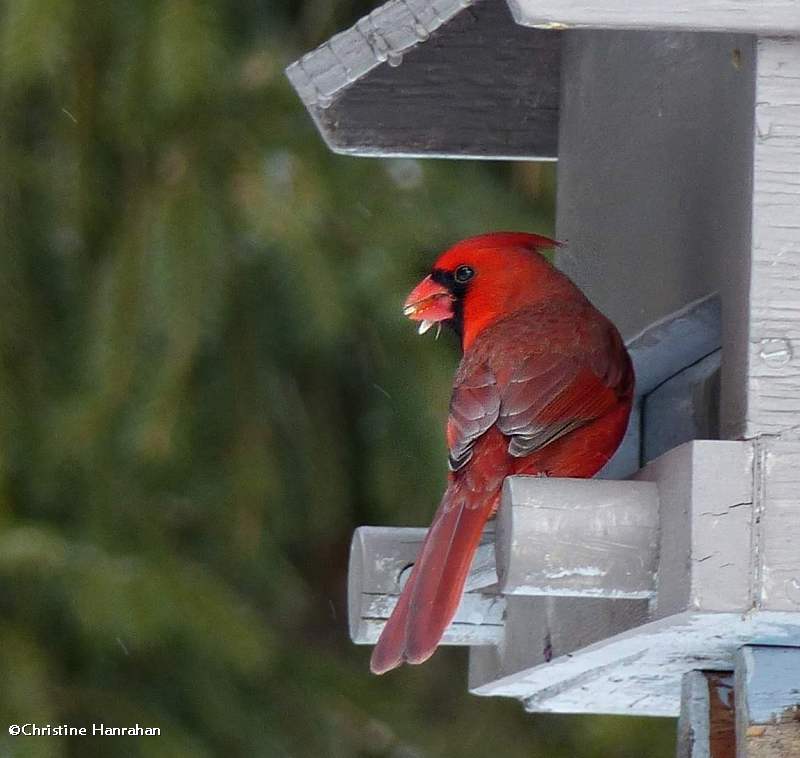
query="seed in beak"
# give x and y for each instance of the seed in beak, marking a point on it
(424, 326)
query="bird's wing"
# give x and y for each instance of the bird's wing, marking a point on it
(559, 385)
(533, 392)
(474, 407)
(549, 395)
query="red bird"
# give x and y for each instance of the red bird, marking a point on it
(544, 388)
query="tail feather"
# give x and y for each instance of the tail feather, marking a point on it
(431, 597)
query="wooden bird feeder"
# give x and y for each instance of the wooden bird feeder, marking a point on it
(673, 585)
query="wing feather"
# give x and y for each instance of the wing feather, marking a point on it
(557, 386)
(474, 407)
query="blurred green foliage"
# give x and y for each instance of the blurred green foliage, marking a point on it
(206, 384)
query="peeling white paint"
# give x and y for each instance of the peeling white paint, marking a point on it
(577, 571)
(639, 672)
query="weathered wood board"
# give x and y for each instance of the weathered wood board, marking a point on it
(380, 563)
(776, 537)
(604, 632)
(706, 515)
(768, 702)
(764, 357)
(673, 359)
(639, 672)
(396, 83)
(707, 723)
(766, 17)
(577, 537)
(705, 529)
(684, 408)
(539, 630)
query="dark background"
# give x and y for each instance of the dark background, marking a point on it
(206, 383)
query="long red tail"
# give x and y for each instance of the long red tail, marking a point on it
(432, 594)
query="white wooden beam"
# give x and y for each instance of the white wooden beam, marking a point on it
(540, 629)
(764, 358)
(768, 702)
(684, 408)
(608, 528)
(706, 514)
(380, 562)
(639, 672)
(577, 537)
(751, 16)
(761, 366)
(725, 578)
(776, 535)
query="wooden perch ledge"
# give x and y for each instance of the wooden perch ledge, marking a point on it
(598, 596)
(561, 537)
(380, 561)
(577, 537)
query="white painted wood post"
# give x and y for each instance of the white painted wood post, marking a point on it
(764, 380)
(614, 528)
(767, 355)
(761, 393)
(761, 16)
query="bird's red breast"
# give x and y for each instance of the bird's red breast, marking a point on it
(544, 387)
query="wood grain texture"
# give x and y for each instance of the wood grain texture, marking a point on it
(389, 31)
(722, 714)
(706, 725)
(639, 672)
(762, 16)
(768, 702)
(702, 611)
(776, 535)
(693, 721)
(772, 370)
(476, 86)
(728, 575)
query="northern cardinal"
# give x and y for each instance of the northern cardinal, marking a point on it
(544, 387)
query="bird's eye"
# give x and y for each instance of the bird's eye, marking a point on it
(463, 274)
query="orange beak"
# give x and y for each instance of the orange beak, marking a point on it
(429, 303)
